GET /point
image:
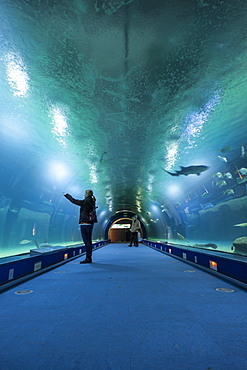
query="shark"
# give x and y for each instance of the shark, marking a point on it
(191, 170)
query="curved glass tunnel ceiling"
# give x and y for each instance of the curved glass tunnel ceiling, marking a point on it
(109, 94)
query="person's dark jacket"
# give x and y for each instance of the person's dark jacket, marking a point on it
(86, 206)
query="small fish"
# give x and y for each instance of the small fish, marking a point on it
(243, 171)
(241, 225)
(228, 192)
(182, 237)
(191, 170)
(25, 241)
(218, 174)
(14, 210)
(221, 183)
(45, 245)
(242, 151)
(228, 175)
(223, 159)
(102, 157)
(208, 245)
(211, 245)
(154, 221)
(225, 149)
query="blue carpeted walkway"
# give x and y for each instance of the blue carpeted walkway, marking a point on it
(133, 308)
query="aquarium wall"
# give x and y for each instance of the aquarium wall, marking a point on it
(213, 214)
(33, 210)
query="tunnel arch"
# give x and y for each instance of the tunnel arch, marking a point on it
(123, 215)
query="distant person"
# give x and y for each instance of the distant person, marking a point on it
(135, 227)
(87, 219)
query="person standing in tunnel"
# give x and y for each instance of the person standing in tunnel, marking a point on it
(87, 219)
(135, 227)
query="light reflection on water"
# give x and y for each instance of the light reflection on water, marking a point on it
(17, 75)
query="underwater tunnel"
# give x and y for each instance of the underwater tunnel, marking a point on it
(144, 103)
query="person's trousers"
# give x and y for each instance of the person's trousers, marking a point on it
(86, 233)
(134, 239)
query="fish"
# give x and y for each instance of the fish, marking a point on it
(154, 221)
(14, 209)
(208, 245)
(228, 175)
(182, 237)
(102, 157)
(225, 149)
(221, 183)
(218, 174)
(243, 171)
(244, 224)
(242, 151)
(223, 159)
(25, 241)
(211, 245)
(191, 170)
(45, 245)
(229, 191)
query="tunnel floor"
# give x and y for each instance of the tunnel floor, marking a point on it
(132, 308)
